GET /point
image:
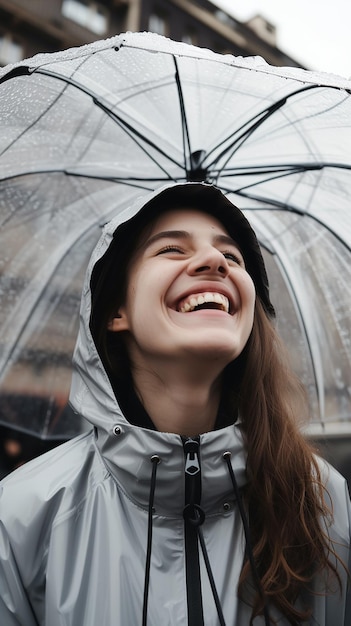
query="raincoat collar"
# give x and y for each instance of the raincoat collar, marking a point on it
(127, 452)
(91, 392)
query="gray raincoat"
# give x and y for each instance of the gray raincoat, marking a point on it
(92, 533)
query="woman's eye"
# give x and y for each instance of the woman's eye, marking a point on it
(231, 256)
(170, 249)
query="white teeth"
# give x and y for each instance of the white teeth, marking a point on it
(196, 299)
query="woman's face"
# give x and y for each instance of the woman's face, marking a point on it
(188, 293)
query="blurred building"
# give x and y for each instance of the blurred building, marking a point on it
(39, 382)
(49, 25)
(28, 27)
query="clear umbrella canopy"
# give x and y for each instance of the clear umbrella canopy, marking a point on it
(86, 131)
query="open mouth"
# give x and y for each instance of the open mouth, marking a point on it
(206, 300)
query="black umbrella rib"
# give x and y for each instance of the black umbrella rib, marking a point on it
(128, 128)
(6, 219)
(289, 168)
(280, 173)
(244, 136)
(305, 329)
(132, 182)
(23, 70)
(259, 117)
(185, 128)
(252, 124)
(280, 170)
(286, 207)
(35, 121)
(126, 182)
(135, 135)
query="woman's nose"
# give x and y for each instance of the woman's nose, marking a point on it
(208, 260)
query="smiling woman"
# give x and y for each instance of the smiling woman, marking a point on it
(194, 499)
(188, 313)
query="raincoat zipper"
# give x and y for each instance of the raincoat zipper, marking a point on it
(192, 471)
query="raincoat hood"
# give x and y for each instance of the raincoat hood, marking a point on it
(92, 395)
(109, 257)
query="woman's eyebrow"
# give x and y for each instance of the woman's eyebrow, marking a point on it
(167, 234)
(184, 234)
(229, 241)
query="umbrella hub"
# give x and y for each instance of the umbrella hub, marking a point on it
(196, 172)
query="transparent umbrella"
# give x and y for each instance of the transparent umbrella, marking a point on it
(86, 131)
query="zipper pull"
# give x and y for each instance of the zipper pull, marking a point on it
(192, 463)
(192, 513)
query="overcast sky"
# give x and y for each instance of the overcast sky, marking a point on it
(316, 33)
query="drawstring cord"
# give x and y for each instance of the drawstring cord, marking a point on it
(210, 577)
(197, 520)
(195, 515)
(227, 456)
(155, 460)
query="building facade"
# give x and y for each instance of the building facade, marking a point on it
(50, 25)
(29, 27)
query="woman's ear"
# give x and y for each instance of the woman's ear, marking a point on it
(118, 323)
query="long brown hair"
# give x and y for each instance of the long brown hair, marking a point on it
(285, 496)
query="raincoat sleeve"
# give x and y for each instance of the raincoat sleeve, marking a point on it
(348, 595)
(338, 606)
(15, 605)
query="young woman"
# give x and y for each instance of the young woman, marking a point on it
(194, 499)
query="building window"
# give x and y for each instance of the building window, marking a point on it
(158, 23)
(225, 18)
(11, 51)
(90, 15)
(189, 36)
